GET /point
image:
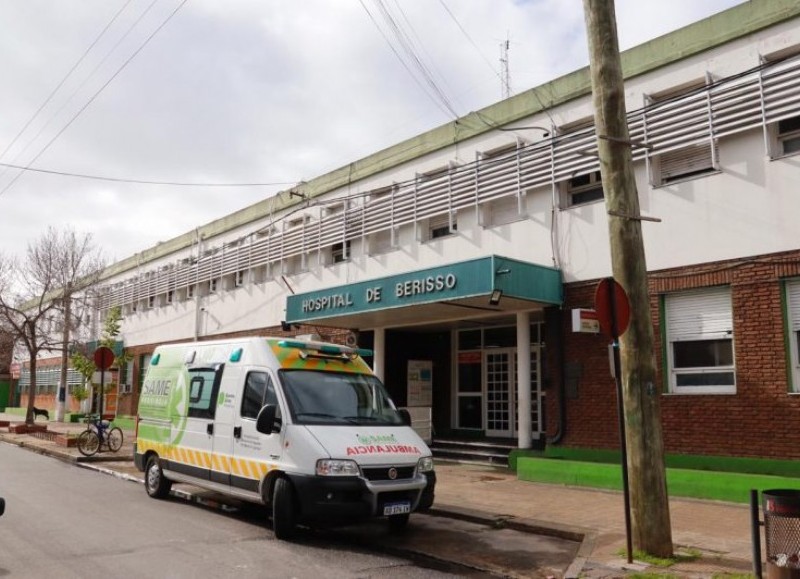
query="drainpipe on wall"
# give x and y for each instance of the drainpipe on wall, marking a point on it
(555, 326)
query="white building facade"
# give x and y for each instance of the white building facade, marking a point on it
(459, 255)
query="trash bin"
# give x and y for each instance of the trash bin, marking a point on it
(782, 533)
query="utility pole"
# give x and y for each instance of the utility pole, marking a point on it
(61, 400)
(651, 531)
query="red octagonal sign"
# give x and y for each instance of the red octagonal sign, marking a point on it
(103, 358)
(612, 307)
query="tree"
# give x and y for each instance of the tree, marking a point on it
(642, 413)
(57, 266)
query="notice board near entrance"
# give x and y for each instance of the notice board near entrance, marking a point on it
(420, 397)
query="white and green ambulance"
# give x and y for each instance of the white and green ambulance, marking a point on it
(302, 426)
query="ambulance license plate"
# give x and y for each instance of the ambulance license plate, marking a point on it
(396, 508)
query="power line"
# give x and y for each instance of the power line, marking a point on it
(95, 95)
(63, 80)
(466, 34)
(141, 181)
(433, 92)
(85, 80)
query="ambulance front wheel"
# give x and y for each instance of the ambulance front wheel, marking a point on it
(155, 483)
(284, 511)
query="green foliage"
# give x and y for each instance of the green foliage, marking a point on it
(83, 365)
(79, 393)
(112, 326)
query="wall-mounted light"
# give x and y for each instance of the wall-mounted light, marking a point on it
(287, 327)
(494, 299)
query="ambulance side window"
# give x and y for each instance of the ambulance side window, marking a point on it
(258, 391)
(203, 389)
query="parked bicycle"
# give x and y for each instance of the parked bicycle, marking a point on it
(99, 433)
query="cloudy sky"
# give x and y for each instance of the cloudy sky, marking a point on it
(249, 92)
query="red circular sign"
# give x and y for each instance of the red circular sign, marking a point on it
(612, 307)
(103, 358)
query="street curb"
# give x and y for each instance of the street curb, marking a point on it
(586, 537)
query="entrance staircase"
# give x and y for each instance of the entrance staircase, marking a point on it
(487, 452)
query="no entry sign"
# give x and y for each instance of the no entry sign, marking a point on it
(612, 307)
(103, 358)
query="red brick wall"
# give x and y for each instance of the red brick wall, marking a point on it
(760, 420)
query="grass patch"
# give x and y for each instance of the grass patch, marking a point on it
(685, 556)
(700, 484)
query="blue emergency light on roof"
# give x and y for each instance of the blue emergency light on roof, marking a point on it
(236, 355)
(154, 360)
(325, 349)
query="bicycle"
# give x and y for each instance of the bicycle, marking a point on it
(98, 433)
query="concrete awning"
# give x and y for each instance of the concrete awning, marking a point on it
(461, 289)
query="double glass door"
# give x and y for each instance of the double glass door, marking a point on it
(487, 398)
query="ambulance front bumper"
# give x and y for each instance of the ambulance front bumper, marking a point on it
(322, 497)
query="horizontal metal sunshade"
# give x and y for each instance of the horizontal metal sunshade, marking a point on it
(748, 101)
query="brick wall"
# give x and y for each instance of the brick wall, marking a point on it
(759, 420)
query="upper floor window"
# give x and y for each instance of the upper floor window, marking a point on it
(340, 252)
(787, 137)
(667, 112)
(583, 189)
(441, 226)
(699, 331)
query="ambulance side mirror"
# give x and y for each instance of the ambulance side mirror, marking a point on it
(266, 423)
(405, 415)
(2, 506)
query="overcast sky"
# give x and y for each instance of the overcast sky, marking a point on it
(249, 91)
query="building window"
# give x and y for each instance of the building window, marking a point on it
(239, 278)
(793, 310)
(787, 136)
(190, 292)
(440, 226)
(583, 189)
(340, 252)
(170, 297)
(689, 161)
(212, 285)
(699, 341)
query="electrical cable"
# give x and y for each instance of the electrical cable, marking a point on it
(142, 181)
(96, 94)
(63, 80)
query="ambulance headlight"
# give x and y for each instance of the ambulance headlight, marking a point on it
(425, 464)
(334, 467)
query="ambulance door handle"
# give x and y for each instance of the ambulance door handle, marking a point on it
(237, 431)
(210, 428)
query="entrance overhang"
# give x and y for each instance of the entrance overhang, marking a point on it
(462, 289)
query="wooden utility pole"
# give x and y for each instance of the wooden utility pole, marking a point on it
(651, 526)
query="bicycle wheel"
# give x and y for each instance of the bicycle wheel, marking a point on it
(114, 439)
(88, 442)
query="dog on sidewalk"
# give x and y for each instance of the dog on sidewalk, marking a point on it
(37, 412)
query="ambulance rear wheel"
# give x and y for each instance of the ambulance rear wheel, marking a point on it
(398, 522)
(284, 512)
(155, 483)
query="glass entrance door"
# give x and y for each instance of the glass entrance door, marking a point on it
(501, 412)
(499, 380)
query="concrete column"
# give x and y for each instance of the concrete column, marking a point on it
(379, 353)
(524, 379)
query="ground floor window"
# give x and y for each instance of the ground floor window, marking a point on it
(793, 323)
(699, 342)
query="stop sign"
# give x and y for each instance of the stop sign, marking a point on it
(103, 358)
(612, 307)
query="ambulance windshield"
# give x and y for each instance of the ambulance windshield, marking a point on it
(338, 398)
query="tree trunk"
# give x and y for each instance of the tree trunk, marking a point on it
(29, 416)
(651, 527)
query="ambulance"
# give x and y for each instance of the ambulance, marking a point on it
(302, 426)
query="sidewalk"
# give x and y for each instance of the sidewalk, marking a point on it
(718, 532)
